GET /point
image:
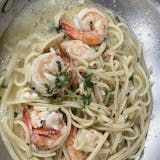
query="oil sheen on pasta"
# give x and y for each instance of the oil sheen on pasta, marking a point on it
(95, 104)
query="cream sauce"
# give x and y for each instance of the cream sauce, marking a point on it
(38, 18)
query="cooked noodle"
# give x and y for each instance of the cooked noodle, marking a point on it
(120, 99)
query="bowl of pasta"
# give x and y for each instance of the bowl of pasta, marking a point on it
(79, 80)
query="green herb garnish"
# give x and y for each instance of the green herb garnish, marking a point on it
(56, 101)
(60, 83)
(15, 114)
(59, 66)
(33, 88)
(111, 96)
(88, 80)
(127, 94)
(42, 121)
(49, 89)
(30, 106)
(63, 80)
(120, 86)
(57, 28)
(4, 86)
(67, 76)
(64, 37)
(87, 99)
(131, 78)
(117, 19)
(106, 92)
(73, 95)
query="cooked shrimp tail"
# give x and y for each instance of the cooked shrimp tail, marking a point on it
(90, 38)
(26, 118)
(62, 53)
(70, 30)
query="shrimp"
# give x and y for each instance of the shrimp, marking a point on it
(78, 143)
(77, 48)
(44, 71)
(90, 26)
(47, 129)
(73, 153)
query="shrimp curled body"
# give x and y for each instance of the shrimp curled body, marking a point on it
(90, 26)
(77, 48)
(47, 130)
(80, 143)
(43, 71)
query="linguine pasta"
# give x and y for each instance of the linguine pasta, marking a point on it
(105, 112)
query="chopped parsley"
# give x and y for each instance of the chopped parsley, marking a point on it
(63, 80)
(88, 80)
(33, 88)
(117, 19)
(127, 94)
(87, 99)
(73, 95)
(59, 82)
(64, 37)
(30, 106)
(111, 96)
(15, 114)
(106, 92)
(131, 78)
(59, 66)
(120, 86)
(42, 121)
(57, 28)
(56, 99)
(4, 86)
(49, 89)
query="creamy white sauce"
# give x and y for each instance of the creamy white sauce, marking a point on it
(35, 19)
(34, 24)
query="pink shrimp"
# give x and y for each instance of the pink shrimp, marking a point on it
(82, 153)
(91, 26)
(41, 135)
(73, 153)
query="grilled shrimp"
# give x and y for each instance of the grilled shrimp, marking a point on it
(90, 26)
(80, 143)
(77, 48)
(47, 129)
